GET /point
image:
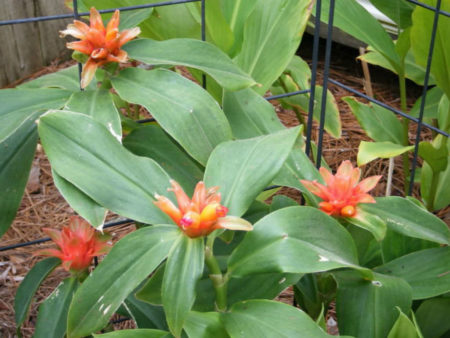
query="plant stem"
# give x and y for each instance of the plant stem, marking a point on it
(405, 122)
(220, 281)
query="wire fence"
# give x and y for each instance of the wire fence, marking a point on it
(315, 56)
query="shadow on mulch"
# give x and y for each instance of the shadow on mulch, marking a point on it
(43, 206)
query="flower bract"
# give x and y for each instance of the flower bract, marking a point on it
(202, 214)
(342, 192)
(100, 43)
(78, 243)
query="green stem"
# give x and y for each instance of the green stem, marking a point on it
(220, 281)
(405, 122)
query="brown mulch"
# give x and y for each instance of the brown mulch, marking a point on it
(46, 208)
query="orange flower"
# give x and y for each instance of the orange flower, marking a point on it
(201, 215)
(342, 191)
(102, 45)
(78, 243)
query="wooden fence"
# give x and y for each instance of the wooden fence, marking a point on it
(25, 48)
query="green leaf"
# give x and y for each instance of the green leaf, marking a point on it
(191, 53)
(368, 308)
(85, 206)
(184, 268)
(236, 13)
(272, 34)
(420, 42)
(136, 333)
(131, 259)
(404, 328)
(66, 78)
(370, 222)
(98, 104)
(205, 325)
(265, 318)
(432, 317)
(16, 157)
(355, 20)
(398, 11)
(281, 201)
(396, 245)
(427, 271)
(29, 286)
(435, 154)
(182, 108)
(407, 218)
(151, 141)
(369, 151)
(434, 96)
(52, 317)
(145, 315)
(20, 106)
(317, 241)
(101, 168)
(379, 123)
(217, 26)
(150, 292)
(243, 168)
(444, 113)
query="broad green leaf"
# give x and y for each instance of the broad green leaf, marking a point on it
(29, 286)
(379, 123)
(251, 115)
(136, 333)
(243, 168)
(205, 325)
(412, 70)
(128, 19)
(398, 11)
(16, 156)
(404, 328)
(407, 218)
(370, 222)
(150, 291)
(368, 308)
(395, 245)
(169, 22)
(86, 154)
(131, 259)
(236, 13)
(272, 34)
(355, 20)
(369, 251)
(151, 141)
(444, 113)
(427, 271)
(369, 151)
(431, 109)
(52, 316)
(217, 26)
(191, 53)
(182, 108)
(100, 106)
(281, 201)
(184, 268)
(20, 106)
(442, 198)
(265, 318)
(420, 42)
(317, 241)
(67, 78)
(145, 315)
(85, 206)
(435, 154)
(432, 317)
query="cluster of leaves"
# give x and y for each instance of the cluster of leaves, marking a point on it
(386, 273)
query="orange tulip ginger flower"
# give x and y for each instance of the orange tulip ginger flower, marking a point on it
(102, 45)
(342, 191)
(201, 215)
(78, 243)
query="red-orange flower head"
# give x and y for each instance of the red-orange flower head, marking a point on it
(342, 191)
(201, 215)
(100, 43)
(77, 243)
